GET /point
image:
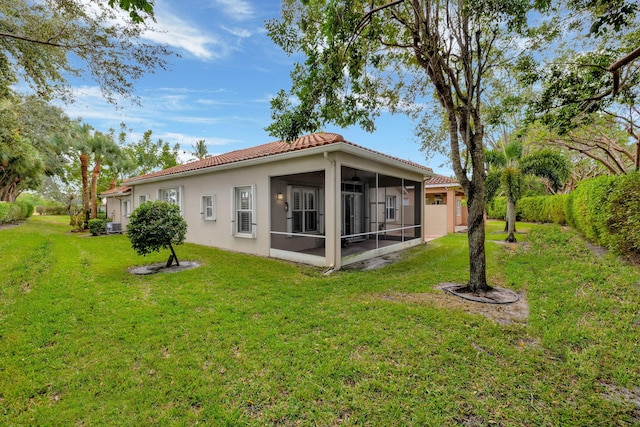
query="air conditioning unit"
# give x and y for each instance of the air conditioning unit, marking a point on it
(114, 227)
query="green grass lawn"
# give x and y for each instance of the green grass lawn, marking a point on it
(244, 340)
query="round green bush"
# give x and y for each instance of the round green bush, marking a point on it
(97, 226)
(154, 226)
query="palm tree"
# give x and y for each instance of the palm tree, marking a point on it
(104, 149)
(80, 142)
(200, 150)
(508, 167)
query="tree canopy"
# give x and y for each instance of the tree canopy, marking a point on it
(362, 57)
(44, 43)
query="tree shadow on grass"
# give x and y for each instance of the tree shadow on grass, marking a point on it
(161, 267)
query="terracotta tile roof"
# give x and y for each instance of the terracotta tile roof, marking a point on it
(440, 180)
(264, 150)
(116, 191)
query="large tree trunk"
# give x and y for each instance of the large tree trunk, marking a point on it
(511, 221)
(94, 189)
(475, 237)
(84, 170)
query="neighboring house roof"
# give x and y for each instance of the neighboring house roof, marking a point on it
(440, 181)
(118, 191)
(282, 148)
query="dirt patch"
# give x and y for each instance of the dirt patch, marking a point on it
(375, 263)
(517, 312)
(624, 395)
(512, 246)
(493, 296)
(160, 268)
(598, 251)
(7, 226)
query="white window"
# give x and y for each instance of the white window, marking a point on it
(304, 210)
(171, 195)
(208, 208)
(126, 208)
(458, 207)
(391, 208)
(244, 211)
(437, 199)
(143, 198)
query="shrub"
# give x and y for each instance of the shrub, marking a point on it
(555, 208)
(156, 225)
(27, 209)
(497, 208)
(51, 210)
(77, 221)
(623, 222)
(531, 209)
(13, 212)
(587, 208)
(543, 209)
(97, 226)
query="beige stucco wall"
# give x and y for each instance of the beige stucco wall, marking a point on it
(114, 209)
(220, 183)
(436, 220)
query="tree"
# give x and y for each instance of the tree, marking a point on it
(80, 137)
(200, 150)
(148, 155)
(593, 78)
(363, 56)
(29, 150)
(154, 226)
(137, 9)
(103, 148)
(603, 141)
(39, 39)
(508, 168)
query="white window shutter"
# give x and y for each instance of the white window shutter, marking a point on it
(254, 218)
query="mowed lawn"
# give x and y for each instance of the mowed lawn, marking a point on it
(243, 340)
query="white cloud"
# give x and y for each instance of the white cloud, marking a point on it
(238, 32)
(184, 35)
(239, 10)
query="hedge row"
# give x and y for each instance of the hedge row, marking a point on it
(14, 212)
(605, 209)
(52, 210)
(532, 209)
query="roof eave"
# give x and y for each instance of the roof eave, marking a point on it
(337, 146)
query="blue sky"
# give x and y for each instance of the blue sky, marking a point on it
(220, 86)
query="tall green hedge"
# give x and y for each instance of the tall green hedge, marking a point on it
(532, 209)
(588, 207)
(605, 209)
(14, 212)
(497, 208)
(623, 219)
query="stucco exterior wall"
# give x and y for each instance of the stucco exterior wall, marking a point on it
(114, 209)
(436, 221)
(220, 183)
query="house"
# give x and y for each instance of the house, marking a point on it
(446, 208)
(319, 200)
(117, 202)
